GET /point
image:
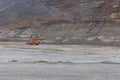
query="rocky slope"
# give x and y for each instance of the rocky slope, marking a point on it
(61, 21)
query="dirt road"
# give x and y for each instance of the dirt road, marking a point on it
(19, 61)
(37, 71)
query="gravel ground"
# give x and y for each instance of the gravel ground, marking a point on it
(36, 71)
(19, 61)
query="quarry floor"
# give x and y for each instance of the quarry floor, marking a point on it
(19, 61)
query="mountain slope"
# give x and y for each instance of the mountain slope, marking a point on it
(61, 20)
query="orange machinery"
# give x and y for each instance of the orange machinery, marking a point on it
(33, 42)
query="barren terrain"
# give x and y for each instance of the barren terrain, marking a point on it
(19, 61)
(61, 21)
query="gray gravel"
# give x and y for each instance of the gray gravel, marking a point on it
(36, 71)
(58, 62)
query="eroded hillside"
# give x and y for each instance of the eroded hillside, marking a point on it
(73, 21)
